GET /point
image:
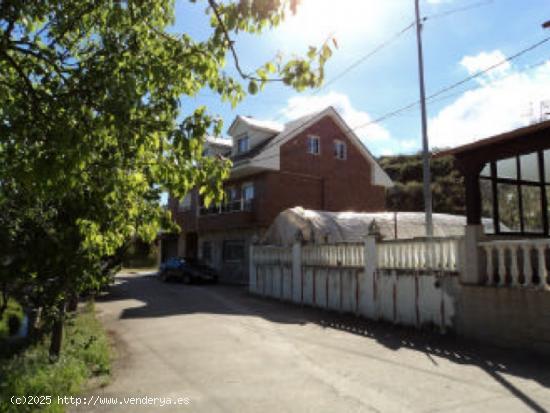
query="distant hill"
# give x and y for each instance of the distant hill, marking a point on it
(406, 172)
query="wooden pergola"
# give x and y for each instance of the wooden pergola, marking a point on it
(517, 159)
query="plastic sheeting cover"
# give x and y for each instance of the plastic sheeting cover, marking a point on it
(323, 227)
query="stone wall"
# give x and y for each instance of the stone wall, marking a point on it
(507, 317)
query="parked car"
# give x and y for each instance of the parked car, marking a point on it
(188, 271)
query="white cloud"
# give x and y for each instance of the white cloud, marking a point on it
(302, 105)
(409, 145)
(484, 60)
(386, 152)
(504, 101)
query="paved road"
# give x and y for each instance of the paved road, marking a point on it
(230, 352)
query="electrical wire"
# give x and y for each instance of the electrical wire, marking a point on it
(411, 105)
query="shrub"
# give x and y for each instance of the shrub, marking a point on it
(85, 354)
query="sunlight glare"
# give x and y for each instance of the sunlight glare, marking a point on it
(346, 20)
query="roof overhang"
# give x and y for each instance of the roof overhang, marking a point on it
(379, 176)
(249, 124)
(515, 135)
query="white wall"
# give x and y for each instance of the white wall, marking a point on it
(401, 296)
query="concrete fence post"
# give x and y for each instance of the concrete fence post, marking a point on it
(367, 296)
(297, 282)
(252, 268)
(470, 267)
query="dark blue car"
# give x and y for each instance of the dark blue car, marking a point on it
(188, 271)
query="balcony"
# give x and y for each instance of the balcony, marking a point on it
(238, 205)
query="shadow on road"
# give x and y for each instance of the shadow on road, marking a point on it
(159, 299)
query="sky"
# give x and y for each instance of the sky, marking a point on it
(460, 38)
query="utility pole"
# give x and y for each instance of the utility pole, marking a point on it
(425, 145)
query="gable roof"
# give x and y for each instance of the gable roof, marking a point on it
(220, 142)
(293, 128)
(264, 125)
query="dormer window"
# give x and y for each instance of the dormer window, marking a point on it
(242, 144)
(313, 145)
(340, 151)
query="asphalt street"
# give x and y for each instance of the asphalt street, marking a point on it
(219, 349)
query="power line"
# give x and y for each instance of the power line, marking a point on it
(380, 47)
(409, 106)
(457, 10)
(525, 69)
(389, 41)
(456, 84)
(365, 57)
(357, 62)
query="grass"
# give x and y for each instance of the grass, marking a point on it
(85, 355)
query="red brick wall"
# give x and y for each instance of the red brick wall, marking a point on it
(347, 183)
(279, 191)
(319, 182)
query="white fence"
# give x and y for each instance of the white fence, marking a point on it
(517, 263)
(389, 280)
(440, 254)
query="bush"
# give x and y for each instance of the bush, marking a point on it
(85, 354)
(12, 315)
(14, 324)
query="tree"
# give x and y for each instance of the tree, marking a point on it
(89, 137)
(406, 171)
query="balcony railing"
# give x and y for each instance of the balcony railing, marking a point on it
(517, 263)
(238, 205)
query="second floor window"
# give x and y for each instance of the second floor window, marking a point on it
(313, 145)
(248, 192)
(185, 203)
(242, 144)
(231, 193)
(340, 150)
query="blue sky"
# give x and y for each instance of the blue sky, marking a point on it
(455, 45)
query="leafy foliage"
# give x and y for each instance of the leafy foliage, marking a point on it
(407, 194)
(89, 131)
(86, 354)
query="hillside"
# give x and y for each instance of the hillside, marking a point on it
(406, 172)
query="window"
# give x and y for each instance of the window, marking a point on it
(507, 168)
(242, 144)
(207, 251)
(532, 208)
(248, 191)
(530, 167)
(232, 201)
(340, 150)
(486, 189)
(508, 208)
(547, 166)
(233, 250)
(313, 145)
(515, 192)
(231, 193)
(185, 203)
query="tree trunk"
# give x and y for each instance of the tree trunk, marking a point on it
(33, 314)
(73, 302)
(57, 332)
(4, 304)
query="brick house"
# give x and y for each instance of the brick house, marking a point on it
(315, 162)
